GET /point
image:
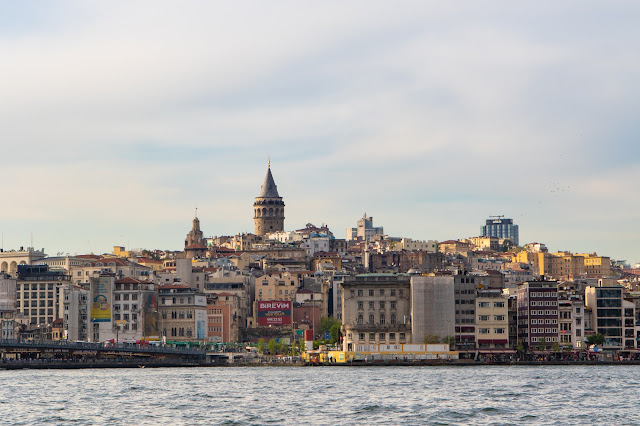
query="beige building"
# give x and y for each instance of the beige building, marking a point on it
(183, 313)
(37, 293)
(375, 310)
(486, 243)
(277, 287)
(595, 265)
(92, 268)
(571, 323)
(492, 326)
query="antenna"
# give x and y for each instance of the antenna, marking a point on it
(269, 161)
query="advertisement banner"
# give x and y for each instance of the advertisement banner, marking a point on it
(274, 312)
(101, 299)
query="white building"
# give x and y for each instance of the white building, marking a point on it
(9, 260)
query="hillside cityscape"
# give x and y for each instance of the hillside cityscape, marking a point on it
(367, 294)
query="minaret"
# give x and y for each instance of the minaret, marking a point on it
(268, 209)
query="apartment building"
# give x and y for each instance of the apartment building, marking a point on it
(376, 310)
(492, 320)
(538, 313)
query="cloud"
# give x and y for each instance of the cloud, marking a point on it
(429, 116)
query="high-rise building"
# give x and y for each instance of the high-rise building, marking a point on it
(538, 314)
(268, 208)
(498, 226)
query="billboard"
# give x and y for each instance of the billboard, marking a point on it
(101, 299)
(274, 312)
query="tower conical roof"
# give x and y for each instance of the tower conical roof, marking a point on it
(269, 188)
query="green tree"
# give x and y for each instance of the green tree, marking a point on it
(450, 340)
(272, 346)
(332, 326)
(542, 346)
(595, 339)
(431, 339)
(262, 345)
(302, 346)
(555, 347)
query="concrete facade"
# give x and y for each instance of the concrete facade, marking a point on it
(432, 307)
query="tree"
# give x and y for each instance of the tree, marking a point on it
(555, 347)
(332, 326)
(542, 346)
(272, 346)
(449, 340)
(431, 339)
(595, 339)
(302, 346)
(261, 346)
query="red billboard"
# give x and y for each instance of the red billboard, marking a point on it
(274, 312)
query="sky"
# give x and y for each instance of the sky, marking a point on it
(118, 119)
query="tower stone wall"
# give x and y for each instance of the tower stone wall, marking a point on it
(268, 209)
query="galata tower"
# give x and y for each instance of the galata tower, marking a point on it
(268, 209)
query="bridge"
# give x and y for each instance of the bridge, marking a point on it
(60, 350)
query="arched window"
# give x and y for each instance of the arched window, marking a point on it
(381, 318)
(276, 212)
(264, 211)
(360, 319)
(270, 212)
(393, 318)
(372, 319)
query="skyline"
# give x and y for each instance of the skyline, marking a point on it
(119, 121)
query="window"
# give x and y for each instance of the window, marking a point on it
(483, 318)
(382, 305)
(372, 337)
(483, 304)
(402, 336)
(382, 292)
(392, 337)
(393, 318)
(371, 292)
(393, 305)
(498, 304)
(361, 305)
(382, 318)
(483, 330)
(382, 336)
(360, 293)
(371, 305)
(498, 330)
(371, 319)
(393, 292)
(360, 319)
(498, 317)
(361, 337)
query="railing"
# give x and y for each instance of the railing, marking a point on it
(120, 347)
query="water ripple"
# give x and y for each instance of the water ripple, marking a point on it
(329, 395)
